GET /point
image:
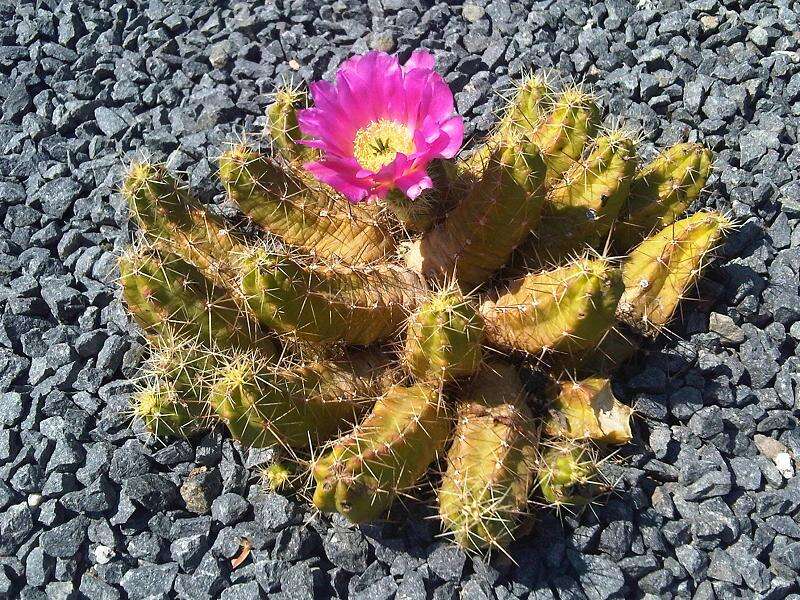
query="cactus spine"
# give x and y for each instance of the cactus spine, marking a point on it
(490, 463)
(388, 452)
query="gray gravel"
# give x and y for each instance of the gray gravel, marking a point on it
(709, 500)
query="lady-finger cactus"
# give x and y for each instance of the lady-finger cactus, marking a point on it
(444, 337)
(319, 303)
(491, 463)
(302, 213)
(478, 236)
(174, 221)
(388, 452)
(660, 270)
(581, 208)
(366, 229)
(167, 294)
(661, 191)
(529, 103)
(566, 310)
(568, 475)
(264, 404)
(587, 409)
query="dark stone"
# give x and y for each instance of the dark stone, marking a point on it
(65, 540)
(149, 580)
(56, 196)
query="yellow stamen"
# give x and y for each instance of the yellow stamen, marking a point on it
(378, 143)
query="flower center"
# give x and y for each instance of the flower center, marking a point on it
(378, 143)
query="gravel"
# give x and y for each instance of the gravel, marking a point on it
(708, 495)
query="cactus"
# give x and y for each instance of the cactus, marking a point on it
(264, 404)
(587, 409)
(490, 463)
(568, 476)
(661, 269)
(318, 320)
(444, 337)
(362, 472)
(358, 305)
(661, 191)
(172, 395)
(287, 204)
(566, 310)
(478, 236)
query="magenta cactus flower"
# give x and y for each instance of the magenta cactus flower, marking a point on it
(380, 125)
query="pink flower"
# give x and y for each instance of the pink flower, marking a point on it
(380, 124)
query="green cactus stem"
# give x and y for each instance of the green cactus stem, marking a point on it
(566, 130)
(388, 452)
(444, 338)
(264, 404)
(661, 191)
(357, 305)
(491, 462)
(303, 213)
(282, 126)
(581, 208)
(175, 221)
(478, 236)
(566, 310)
(166, 294)
(660, 270)
(568, 476)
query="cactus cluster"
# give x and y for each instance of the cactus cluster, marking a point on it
(372, 344)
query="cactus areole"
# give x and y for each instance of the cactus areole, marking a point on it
(379, 326)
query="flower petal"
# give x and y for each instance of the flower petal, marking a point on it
(375, 87)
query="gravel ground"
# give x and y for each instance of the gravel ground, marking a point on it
(708, 499)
